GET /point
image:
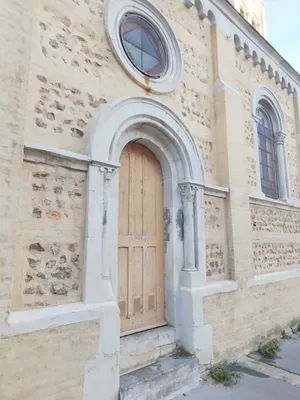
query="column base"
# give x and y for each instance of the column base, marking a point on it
(102, 373)
(195, 337)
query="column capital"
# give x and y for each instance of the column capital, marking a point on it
(108, 171)
(279, 137)
(188, 191)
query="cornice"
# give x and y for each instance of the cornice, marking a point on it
(248, 40)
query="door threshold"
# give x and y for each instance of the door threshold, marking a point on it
(148, 328)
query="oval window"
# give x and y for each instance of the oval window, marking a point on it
(143, 45)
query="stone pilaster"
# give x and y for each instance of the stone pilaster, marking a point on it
(17, 19)
(280, 138)
(232, 167)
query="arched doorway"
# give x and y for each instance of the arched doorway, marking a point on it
(141, 295)
(150, 123)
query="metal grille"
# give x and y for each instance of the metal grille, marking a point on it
(267, 155)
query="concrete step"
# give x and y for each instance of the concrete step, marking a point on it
(144, 348)
(161, 380)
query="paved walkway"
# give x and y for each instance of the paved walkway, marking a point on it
(262, 379)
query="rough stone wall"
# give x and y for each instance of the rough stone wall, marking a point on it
(44, 365)
(243, 319)
(248, 79)
(51, 236)
(74, 71)
(276, 242)
(216, 238)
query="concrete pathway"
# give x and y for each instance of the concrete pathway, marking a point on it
(262, 379)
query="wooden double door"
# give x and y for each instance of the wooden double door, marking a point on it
(141, 241)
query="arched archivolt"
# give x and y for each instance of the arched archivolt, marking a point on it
(265, 95)
(113, 122)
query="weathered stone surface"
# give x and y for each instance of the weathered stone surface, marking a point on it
(216, 238)
(161, 380)
(53, 246)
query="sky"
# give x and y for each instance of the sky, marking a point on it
(283, 29)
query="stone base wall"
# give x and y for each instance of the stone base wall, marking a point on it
(241, 320)
(48, 364)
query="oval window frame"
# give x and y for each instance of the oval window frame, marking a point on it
(116, 10)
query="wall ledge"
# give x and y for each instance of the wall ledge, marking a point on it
(22, 322)
(225, 286)
(273, 277)
(54, 151)
(216, 191)
(267, 202)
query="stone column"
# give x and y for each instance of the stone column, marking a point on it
(188, 192)
(110, 232)
(280, 153)
(97, 286)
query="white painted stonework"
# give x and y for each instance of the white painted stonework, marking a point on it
(152, 124)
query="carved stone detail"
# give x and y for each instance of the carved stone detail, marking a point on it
(279, 137)
(188, 192)
(108, 172)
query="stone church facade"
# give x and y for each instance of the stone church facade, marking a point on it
(150, 189)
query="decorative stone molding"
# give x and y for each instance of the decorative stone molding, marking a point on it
(188, 191)
(202, 9)
(152, 124)
(115, 12)
(216, 191)
(264, 64)
(279, 137)
(264, 97)
(247, 39)
(108, 172)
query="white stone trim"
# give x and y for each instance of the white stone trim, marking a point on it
(218, 287)
(216, 191)
(115, 11)
(148, 120)
(273, 277)
(263, 94)
(21, 322)
(151, 123)
(268, 202)
(70, 155)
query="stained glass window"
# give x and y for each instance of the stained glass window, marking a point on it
(143, 45)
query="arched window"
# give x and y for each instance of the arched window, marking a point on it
(267, 154)
(272, 160)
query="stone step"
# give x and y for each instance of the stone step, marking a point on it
(144, 348)
(161, 380)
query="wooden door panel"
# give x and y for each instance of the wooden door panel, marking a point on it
(141, 256)
(124, 195)
(135, 193)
